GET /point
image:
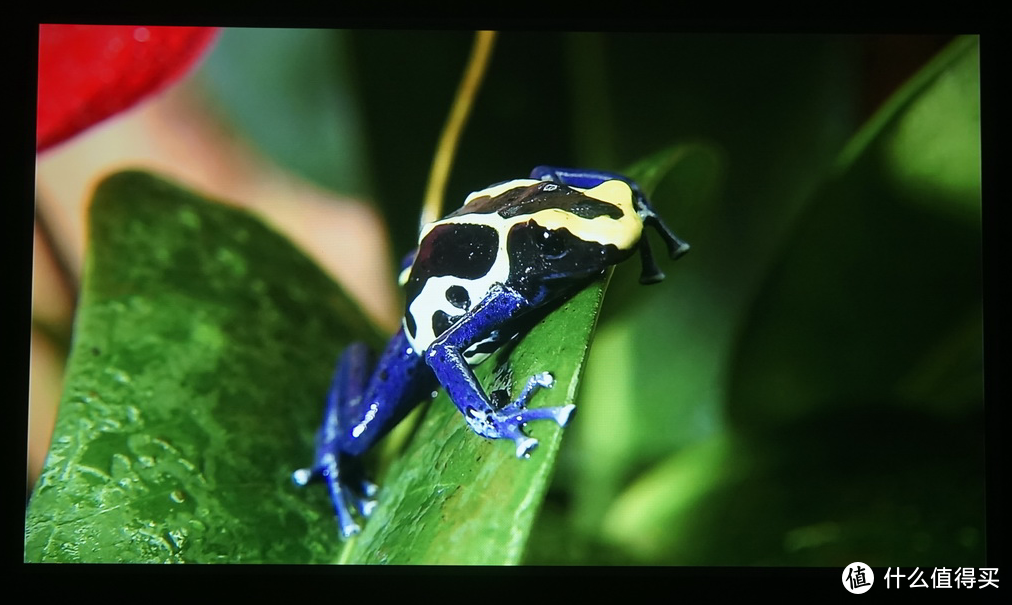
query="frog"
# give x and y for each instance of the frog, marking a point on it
(479, 279)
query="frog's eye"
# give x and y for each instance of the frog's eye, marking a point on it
(552, 245)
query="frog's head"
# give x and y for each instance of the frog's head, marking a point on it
(570, 234)
(560, 235)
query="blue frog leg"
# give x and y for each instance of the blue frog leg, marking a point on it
(445, 357)
(362, 406)
(580, 177)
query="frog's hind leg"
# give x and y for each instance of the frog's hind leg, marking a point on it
(365, 401)
(343, 474)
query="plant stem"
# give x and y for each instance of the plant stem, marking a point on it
(462, 103)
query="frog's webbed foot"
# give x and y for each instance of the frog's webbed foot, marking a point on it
(507, 422)
(347, 485)
(364, 401)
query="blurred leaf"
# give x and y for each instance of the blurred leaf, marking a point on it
(657, 510)
(874, 276)
(611, 426)
(203, 344)
(292, 92)
(874, 300)
(739, 501)
(932, 153)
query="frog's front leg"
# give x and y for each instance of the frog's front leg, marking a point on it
(363, 404)
(445, 357)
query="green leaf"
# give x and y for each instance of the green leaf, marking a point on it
(829, 489)
(859, 355)
(634, 351)
(878, 273)
(203, 345)
(291, 92)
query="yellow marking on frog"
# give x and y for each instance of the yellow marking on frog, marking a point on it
(623, 232)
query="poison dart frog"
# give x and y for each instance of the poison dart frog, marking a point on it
(480, 277)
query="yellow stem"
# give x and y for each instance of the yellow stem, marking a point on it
(432, 207)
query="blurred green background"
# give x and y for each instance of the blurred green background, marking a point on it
(806, 387)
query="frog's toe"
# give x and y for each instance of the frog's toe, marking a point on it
(302, 477)
(347, 488)
(363, 494)
(511, 426)
(368, 488)
(366, 506)
(525, 445)
(560, 414)
(535, 383)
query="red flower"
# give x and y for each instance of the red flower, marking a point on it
(90, 72)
